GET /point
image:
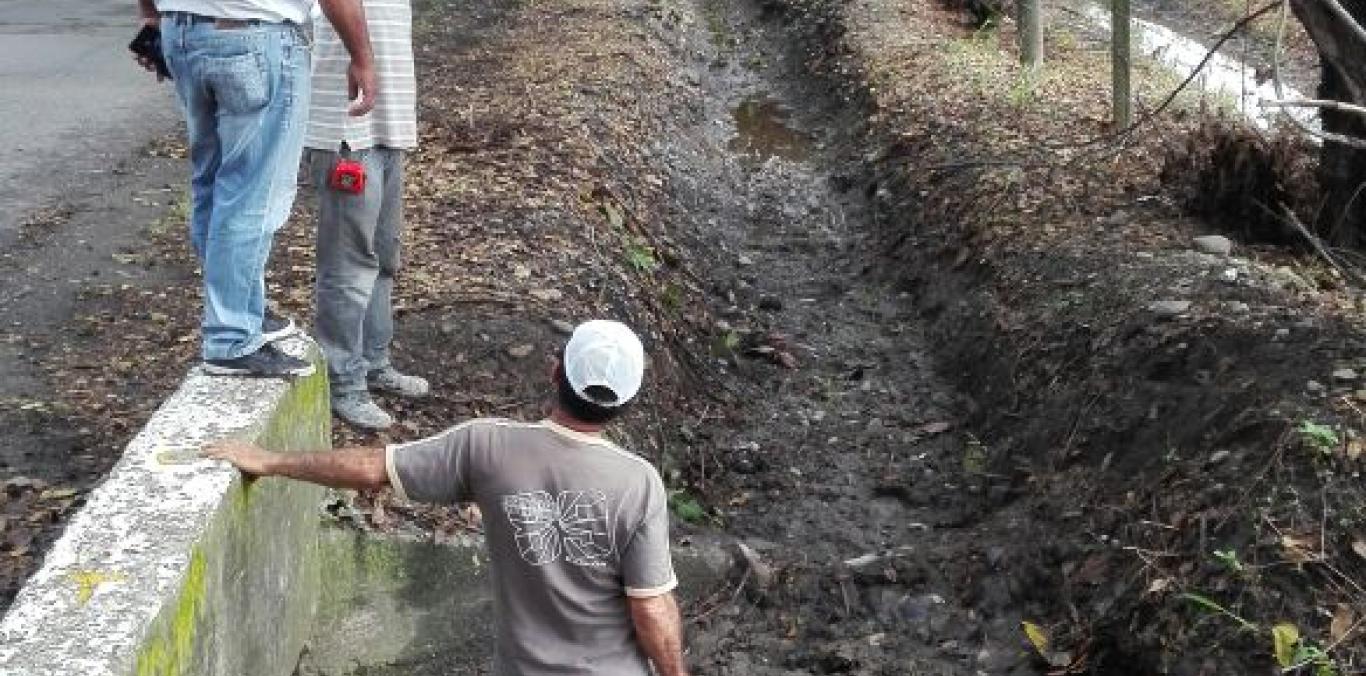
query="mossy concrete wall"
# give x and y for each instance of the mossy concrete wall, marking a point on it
(176, 566)
(397, 606)
(402, 607)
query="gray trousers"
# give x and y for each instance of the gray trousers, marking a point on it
(357, 258)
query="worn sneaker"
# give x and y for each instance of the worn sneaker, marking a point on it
(360, 410)
(267, 362)
(388, 379)
(277, 327)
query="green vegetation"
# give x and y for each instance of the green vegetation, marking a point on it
(1229, 558)
(641, 257)
(686, 507)
(1210, 604)
(1321, 438)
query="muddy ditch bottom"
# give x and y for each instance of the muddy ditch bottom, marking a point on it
(764, 130)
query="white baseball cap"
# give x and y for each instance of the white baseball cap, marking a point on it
(604, 354)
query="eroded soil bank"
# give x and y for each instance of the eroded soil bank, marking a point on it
(1169, 434)
(938, 363)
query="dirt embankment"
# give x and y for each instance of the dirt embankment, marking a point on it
(1178, 430)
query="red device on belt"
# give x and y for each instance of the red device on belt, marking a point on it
(348, 175)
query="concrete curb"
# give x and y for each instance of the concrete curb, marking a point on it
(175, 565)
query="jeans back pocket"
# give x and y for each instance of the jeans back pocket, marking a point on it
(240, 84)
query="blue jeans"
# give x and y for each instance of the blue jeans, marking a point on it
(245, 93)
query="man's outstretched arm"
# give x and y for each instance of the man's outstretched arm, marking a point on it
(660, 632)
(359, 468)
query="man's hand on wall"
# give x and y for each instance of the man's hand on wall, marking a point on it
(249, 458)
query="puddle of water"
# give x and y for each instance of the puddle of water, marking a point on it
(1223, 75)
(762, 131)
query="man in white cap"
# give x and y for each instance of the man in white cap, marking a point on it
(577, 529)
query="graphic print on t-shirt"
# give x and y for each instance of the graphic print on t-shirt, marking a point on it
(574, 523)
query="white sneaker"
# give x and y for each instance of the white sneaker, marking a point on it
(388, 379)
(357, 408)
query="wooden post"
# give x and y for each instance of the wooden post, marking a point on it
(1119, 62)
(1031, 34)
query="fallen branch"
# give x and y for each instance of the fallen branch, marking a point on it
(1278, 83)
(867, 559)
(1291, 219)
(1346, 17)
(734, 595)
(1326, 104)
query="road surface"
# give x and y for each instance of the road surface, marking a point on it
(73, 102)
(75, 111)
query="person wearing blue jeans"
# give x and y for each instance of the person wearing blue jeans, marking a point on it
(241, 70)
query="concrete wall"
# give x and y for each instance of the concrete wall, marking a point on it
(175, 565)
(393, 606)
(397, 606)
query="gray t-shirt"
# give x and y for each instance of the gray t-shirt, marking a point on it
(573, 526)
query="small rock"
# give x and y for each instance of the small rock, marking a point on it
(745, 261)
(763, 574)
(520, 351)
(1218, 457)
(1344, 374)
(561, 326)
(1314, 387)
(19, 484)
(1169, 308)
(1238, 307)
(1281, 334)
(547, 295)
(995, 557)
(1229, 275)
(1218, 245)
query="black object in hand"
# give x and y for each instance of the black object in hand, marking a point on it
(147, 44)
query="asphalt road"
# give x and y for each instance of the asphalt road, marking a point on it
(75, 112)
(73, 102)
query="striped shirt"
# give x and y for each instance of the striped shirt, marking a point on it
(393, 122)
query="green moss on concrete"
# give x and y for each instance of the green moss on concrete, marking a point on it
(352, 560)
(169, 651)
(252, 585)
(303, 421)
(400, 603)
